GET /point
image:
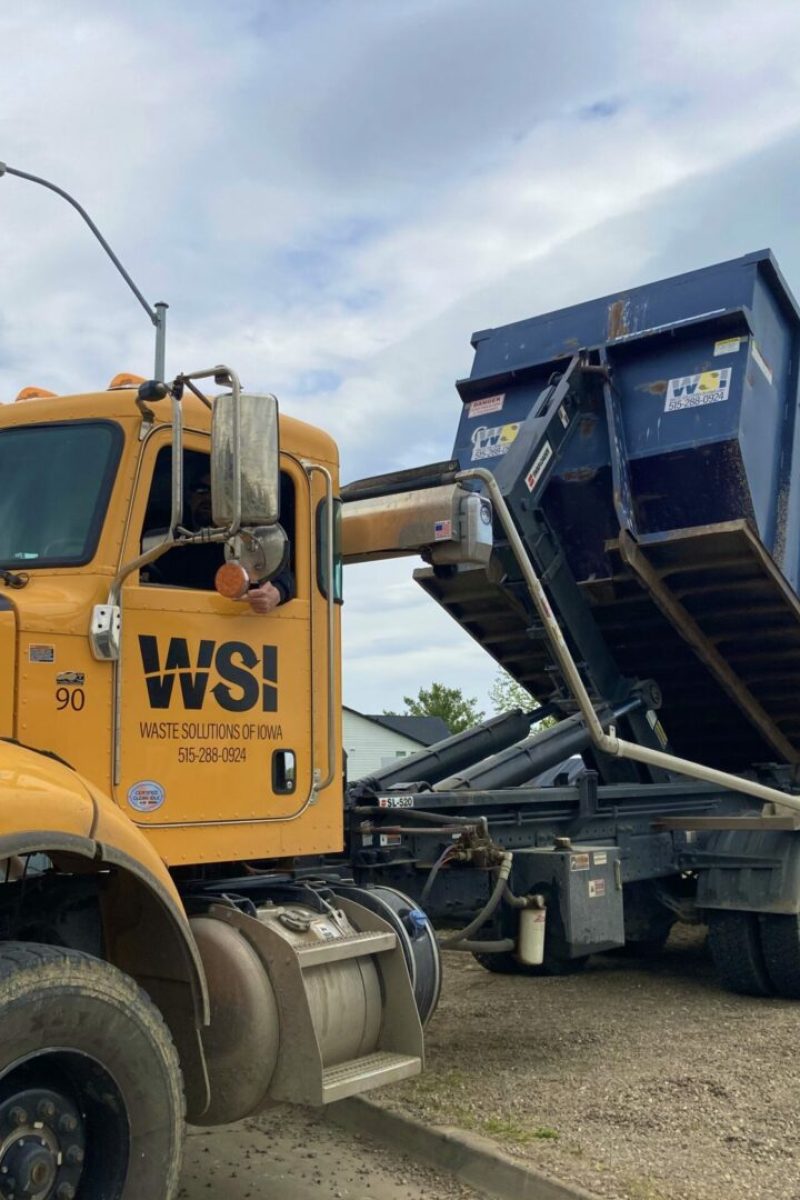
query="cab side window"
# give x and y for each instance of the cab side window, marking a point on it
(194, 566)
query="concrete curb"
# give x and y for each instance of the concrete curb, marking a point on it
(472, 1159)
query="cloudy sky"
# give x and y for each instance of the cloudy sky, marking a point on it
(333, 194)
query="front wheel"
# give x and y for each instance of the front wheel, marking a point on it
(91, 1100)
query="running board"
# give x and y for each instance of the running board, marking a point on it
(360, 1074)
(357, 946)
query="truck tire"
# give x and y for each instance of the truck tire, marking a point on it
(734, 939)
(91, 1097)
(780, 938)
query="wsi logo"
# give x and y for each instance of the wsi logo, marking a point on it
(493, 441)
(245, 679)
(693, 391)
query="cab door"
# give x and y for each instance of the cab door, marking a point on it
(213, 701)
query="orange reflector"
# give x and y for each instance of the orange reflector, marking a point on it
(34, 393)
(124, 380)
(232, 581)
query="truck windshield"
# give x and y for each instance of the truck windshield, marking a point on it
(54, 484)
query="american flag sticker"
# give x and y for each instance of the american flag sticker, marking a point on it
(442, 530)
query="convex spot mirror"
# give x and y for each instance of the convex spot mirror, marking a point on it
(263, 551)
(258, 464)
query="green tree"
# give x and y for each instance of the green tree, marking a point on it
(505, 693)
(450, 704)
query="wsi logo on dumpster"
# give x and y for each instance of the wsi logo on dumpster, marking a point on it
(691, 391)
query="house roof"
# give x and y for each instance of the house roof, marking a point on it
(425, 730)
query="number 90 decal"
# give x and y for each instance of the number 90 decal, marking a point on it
(73, 698)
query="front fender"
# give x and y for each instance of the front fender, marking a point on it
(46, 807)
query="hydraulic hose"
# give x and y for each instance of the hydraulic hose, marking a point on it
(503, 872)
(434, 871)
(503, 946)
(418, 814)
(515, 901)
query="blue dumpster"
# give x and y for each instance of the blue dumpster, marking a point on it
(704, 370)
(673, 498)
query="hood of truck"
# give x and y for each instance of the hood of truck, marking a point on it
(8, 665)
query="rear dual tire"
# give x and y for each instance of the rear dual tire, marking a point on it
(780, 942)
(756, 954)
(734, 939)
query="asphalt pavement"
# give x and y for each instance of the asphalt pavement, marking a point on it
(294, 1154)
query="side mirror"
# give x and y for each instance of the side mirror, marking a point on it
(257, 464)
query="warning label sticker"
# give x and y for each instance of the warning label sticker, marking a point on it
(691, 391)
(579, 862)
(493, 442)
(597, 887)
(489, 404)
(728, 346)
(538, 465)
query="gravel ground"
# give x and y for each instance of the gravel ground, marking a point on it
(642, 1081)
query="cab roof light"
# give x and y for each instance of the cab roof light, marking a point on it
(35, 393)
(124, 380)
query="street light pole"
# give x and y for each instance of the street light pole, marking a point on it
(157, 314)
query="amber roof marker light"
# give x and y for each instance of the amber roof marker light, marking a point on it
(157, 312)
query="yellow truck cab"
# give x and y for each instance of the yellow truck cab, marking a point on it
(167, 756)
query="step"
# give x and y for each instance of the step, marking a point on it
(361, 1074)
(359, 945)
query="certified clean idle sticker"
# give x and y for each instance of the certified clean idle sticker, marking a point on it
(692, 391)
(146, 795)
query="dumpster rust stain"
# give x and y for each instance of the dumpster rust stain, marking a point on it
(658, 388)
(779, 549)
(619, 318)
(579, 474)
